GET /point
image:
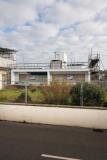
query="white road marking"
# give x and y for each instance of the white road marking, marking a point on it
(57, 157)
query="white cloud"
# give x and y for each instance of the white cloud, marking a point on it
(64, 13)
(72, 25)
(12, 14)
(92, 28)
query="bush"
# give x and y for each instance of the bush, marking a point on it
(57, 94)
(21, 98)
(62, 94)
(105, 101)
(9, 95)
(93, 95)
(36, 96)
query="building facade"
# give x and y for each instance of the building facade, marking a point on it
(58, 70)
(7, 58)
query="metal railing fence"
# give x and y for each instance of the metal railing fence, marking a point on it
(24, 86)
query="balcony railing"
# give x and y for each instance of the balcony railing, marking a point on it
(42, 66)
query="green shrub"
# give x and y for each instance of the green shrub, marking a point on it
(21, 98)
(9, 95)
(105, 101)
(93, 95)
(36, 96)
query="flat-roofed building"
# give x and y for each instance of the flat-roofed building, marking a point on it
(58, 70)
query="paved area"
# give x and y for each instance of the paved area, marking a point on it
(21, 141)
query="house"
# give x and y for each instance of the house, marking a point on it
(58, 70)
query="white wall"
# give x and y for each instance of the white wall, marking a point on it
(2, 74)
(12, 77)
(5, 62)
(0, 80)
(91, 118)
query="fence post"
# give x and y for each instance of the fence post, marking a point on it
(81, 95)
(26, 93)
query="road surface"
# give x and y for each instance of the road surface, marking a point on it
(22, 141)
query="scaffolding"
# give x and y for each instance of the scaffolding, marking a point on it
(94, 65)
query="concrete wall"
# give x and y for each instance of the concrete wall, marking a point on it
(91, 118)
(3, 78)
(5, 62)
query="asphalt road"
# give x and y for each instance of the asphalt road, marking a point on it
(21, 141)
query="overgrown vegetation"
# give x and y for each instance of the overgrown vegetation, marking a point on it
(9, 95)
(61, 94)
(37, 96)
(57, 94)
(93, 95)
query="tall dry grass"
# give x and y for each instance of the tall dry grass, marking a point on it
(57, 93)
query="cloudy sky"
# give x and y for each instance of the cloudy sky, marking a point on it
(38, 28)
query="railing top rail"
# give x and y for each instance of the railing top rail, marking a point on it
(47, 65)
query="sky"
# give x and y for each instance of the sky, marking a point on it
(38, 28)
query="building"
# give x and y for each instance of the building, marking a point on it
(7, 58)
(58, 70)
